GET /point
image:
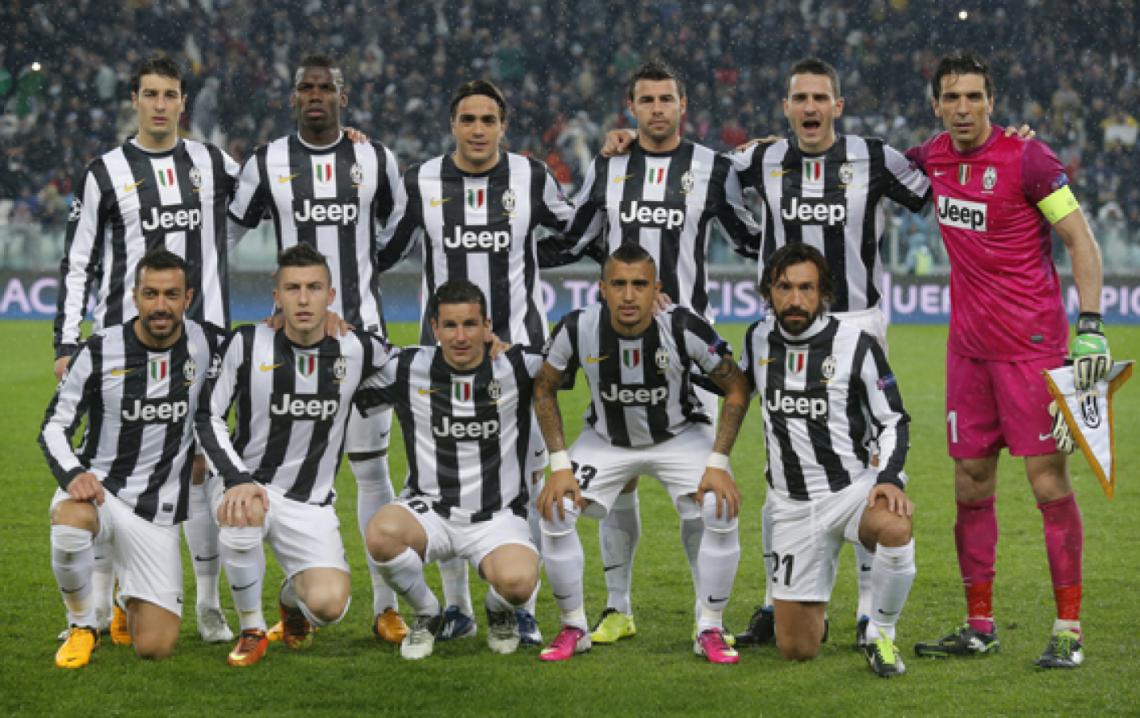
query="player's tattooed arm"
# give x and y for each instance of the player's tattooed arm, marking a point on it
(546, 407)
(728, 377)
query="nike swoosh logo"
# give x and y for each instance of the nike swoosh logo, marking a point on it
(206, 558)
(437, 201)
(287, 178)
(765, 361)
(716, 600)
(888, 613)
(595, 360)
(133, 186)
(561, 598)
(939, 173)
(425, 392)
(269, 367)
(623, 178)
(74, 590)
(779, 173)
(611, 568)
(863, 567)
(1044, 437)
(122, 372)
(539, 452)
(242, 588)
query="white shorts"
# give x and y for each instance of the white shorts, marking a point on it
(872, 321)
(806, 538)
(448, 539)
(603, 469)
(367, 434)
(147, 557)
(302, 536)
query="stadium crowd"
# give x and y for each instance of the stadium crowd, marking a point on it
(1067, 69)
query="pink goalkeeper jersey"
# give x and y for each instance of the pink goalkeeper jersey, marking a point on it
(1005, 297)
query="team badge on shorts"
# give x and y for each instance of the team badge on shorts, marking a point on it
(196, 177)
(828, 368)
(189, 371)
(340, 369)
(989, 178)
(494, 389)
(688, 181)
(510, 201)
(846, 172)
(661, 358)
(356, 173)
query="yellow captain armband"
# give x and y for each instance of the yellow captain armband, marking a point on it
(1058, 205)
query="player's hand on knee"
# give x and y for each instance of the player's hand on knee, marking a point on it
(618, 142)
(1089, 352)
(1061, 432)
(897, 502)
(243, 505)
(719, 483)
(85, 487)
(561, 484)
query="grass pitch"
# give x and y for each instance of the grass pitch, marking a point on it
(347, 672)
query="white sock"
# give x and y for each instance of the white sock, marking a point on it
(73, 563)
(766, 544)
(202, 539)
(456, 591)
(495, 603)
(245, 569)
(691, 531)
(373, 491)
(405, 573)
(103, 581)
(892, 575)
(618, 534)
(565, 562)
(864, 563)
(717, 559)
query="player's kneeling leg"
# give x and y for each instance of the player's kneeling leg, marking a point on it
(154, 630)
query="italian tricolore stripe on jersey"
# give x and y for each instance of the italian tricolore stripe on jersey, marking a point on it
(833, 201)
(480, 228)
(640, 389)
(466, 433)
(131, 201)
(821, 394)
(666, 204)
(291, 405)
(331, 199)
(138, 405)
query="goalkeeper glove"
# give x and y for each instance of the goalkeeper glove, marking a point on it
(1061, 433)
(1089, 352)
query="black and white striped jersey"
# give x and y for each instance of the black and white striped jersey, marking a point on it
(291, 407)
(834, 202)
(821, 394)
(130, 201)
(666, 203)
(640, 387)
(480, 227)
(333, 199)
(466, 433)
(137, 405)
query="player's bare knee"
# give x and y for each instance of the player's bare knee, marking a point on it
(198, 472)
(241, 539)
(560, 525)
(152, 647)
(895, 530)
(630, 487)
(327, 603)
(384, 537)
(798, 650)
(516, 582)
(721, 524)
(77, 514)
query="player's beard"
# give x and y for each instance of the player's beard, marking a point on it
(161, 334)
(802, 317)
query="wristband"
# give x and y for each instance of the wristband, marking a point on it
(560, 460)
(1090, 323)
(717, 460)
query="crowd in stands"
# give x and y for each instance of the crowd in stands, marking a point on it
(1067, 69)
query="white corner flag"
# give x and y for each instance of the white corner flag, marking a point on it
(1089, 416)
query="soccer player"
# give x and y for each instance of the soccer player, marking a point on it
(330, 193)
(136, 386)
(477, 210)
(156, 190)
(997, 200)
(823, 384)
(466, 420)
(643, 418)
(293, 389)
(666, 195)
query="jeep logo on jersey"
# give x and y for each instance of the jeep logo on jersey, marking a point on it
(172, 218)
(460, 429)
(324, 211)
(315, 407)
(653, 215)
(486, 238)
(961, 213)
(812, 210)
(156, 411)
(810, 405)
(616, 394)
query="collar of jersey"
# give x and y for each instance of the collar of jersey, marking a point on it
(669, 153)
(996, 132)
(319, 148)
(134, 142)
(502, 160)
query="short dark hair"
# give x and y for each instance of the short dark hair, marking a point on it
(302, 255)
(815, 66)
(796, 253)
(161, 259)
(962, 63)
(324, 61)
(630, 253)
(479, 87)
(655, 70)
(457, 291)
(158, 65)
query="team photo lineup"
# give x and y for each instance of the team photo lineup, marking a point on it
(173, 425)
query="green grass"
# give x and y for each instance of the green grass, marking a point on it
(346, 672)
